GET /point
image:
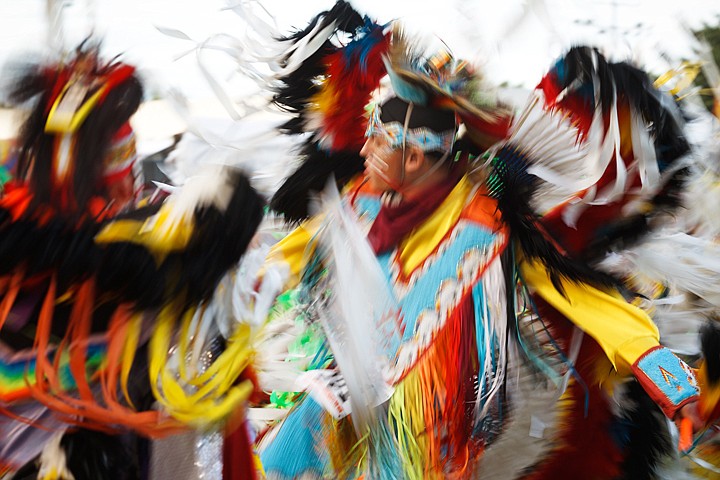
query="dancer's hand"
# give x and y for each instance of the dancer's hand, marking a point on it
(689, 422)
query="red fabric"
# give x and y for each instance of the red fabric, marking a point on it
(584, 445)
(238, 462)
(394, 223)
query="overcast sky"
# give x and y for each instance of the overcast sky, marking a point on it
(514, 41)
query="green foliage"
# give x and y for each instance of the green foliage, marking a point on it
(711, 34)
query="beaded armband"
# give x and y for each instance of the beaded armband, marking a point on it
(669, 381)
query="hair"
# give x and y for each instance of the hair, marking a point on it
(438, 120)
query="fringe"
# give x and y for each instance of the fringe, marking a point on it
(432, 409)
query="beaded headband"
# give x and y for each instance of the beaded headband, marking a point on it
(422, 137)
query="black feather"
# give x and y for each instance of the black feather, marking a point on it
(299, 86)
(218, 241)
(710, 343)
(512, 187)
(348, 20)
(292, 198)
(647, 435)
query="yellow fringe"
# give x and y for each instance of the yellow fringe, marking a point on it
(215, 394)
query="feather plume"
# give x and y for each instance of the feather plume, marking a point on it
(360, 326)
(313, 45)
(633, 168)
(326, 95)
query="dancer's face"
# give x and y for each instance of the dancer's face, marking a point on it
(384, 167)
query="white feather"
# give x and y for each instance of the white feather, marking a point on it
(361, 299)
(644, 152)
(495, 336)
(53, 463)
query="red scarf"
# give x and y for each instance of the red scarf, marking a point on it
(394, 223)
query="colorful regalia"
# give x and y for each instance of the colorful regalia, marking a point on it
(95, 289)
(492, 274)
(482, 325)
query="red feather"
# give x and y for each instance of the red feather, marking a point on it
(352, 81)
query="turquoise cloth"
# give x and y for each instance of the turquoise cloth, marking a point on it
(298, 448)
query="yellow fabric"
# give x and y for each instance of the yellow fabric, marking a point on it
(58, 122)
(161, 234)
(294, 250)
(425, 238)
(623, 331)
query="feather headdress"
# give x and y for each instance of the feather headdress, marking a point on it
(439, 80)
(327, 92)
